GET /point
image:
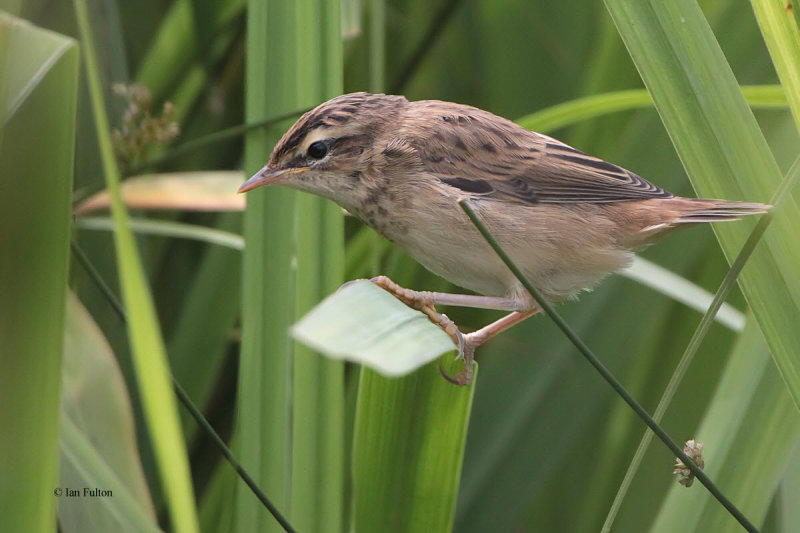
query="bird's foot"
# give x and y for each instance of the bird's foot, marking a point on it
(421, 301)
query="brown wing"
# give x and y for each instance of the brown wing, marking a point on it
(480, 153)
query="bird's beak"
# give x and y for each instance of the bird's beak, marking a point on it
(267, 176)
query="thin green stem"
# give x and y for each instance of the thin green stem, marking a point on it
(226, 452)
(168, 228)
(725, 287)
(187, 402)
(604, 372)
(98, 280)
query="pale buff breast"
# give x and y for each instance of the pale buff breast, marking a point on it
(557, 248)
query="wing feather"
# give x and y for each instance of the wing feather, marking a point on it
(485, 155)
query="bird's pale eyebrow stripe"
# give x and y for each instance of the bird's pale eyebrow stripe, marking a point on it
(467, 185)
(295, 140)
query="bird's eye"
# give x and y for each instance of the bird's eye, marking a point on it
(318, 150)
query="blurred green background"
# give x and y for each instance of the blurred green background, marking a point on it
(547, 442)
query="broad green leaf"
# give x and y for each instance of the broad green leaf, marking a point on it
(409, 445)
(86, 467)
(38, 93)
(98, 440)
(23, 72)
(365, 324)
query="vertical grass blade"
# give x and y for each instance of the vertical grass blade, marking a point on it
(38, 93)
(271, 89)
(306, 71)
(147, 346)
(724, 153)
(409, 445)
(317, 477)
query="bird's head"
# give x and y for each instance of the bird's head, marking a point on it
(328, 148)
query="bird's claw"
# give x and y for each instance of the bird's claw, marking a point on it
(461, 344)
(457, 380)
(466, 353)
(462, 379)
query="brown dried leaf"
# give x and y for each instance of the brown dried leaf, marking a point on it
(182, 191)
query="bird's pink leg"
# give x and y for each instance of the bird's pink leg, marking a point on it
(446, 298)
(425, 302)
(476, 338)
(421, 301)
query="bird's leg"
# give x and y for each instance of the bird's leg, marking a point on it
(412, 298)
(425, 302)
(476, 338)
(421, 301)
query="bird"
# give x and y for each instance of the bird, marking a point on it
(567, 219)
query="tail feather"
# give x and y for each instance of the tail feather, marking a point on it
(673, 213)
(699, 210)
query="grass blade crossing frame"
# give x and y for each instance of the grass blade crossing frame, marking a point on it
(724, 153)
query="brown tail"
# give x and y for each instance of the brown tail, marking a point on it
(676, 212)
(699, 210)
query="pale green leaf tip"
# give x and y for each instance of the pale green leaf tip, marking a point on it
(364, 324)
